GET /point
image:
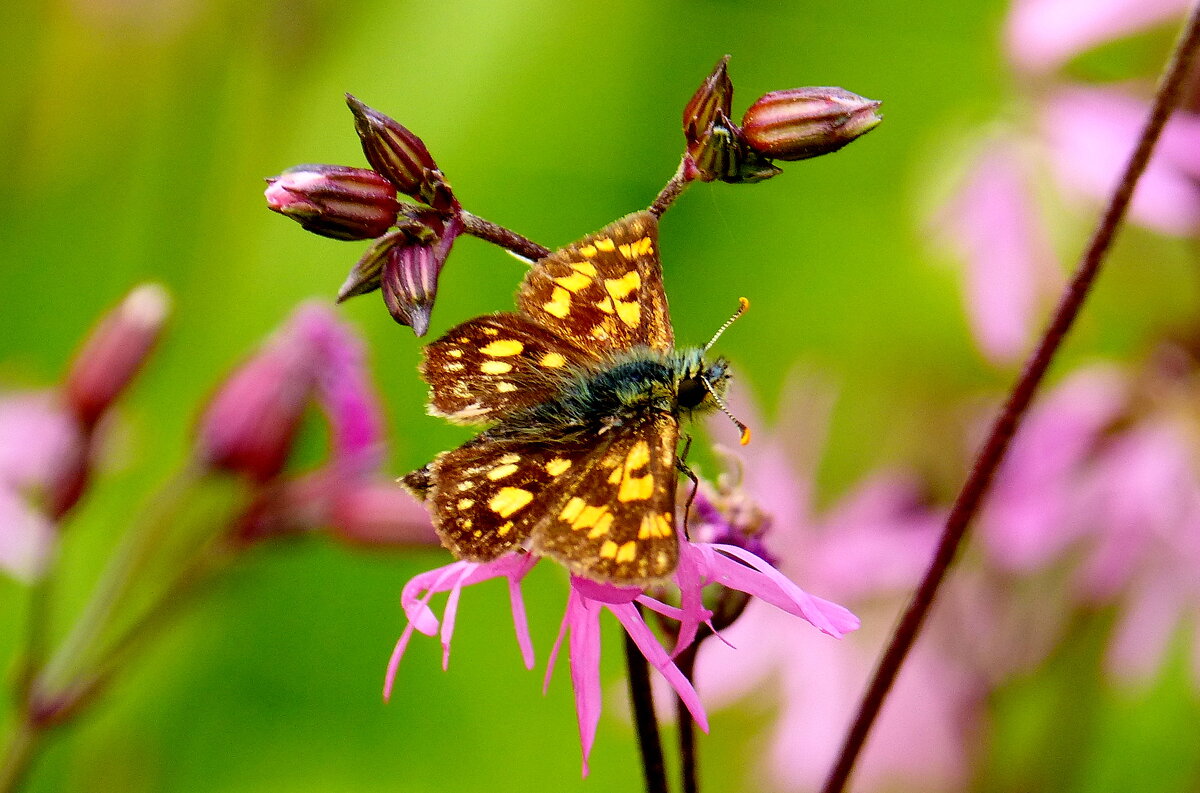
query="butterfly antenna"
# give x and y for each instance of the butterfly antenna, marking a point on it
(721, 402)
(743, 304)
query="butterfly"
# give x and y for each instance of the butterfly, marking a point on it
(585, 390)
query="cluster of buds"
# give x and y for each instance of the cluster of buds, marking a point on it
(795, 124)
(411, 239)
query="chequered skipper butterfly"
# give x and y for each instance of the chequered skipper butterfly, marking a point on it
(586, 390)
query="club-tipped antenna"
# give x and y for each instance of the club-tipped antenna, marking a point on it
(721, 402)
(743, 304)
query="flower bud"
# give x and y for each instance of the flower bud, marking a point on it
(410, 275)
(114, 352)
(401, 156)
(251, 423)
(709, 105)
(807, 122)
(334, 200)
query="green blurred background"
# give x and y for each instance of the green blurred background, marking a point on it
(134, 137)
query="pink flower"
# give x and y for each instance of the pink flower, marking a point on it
(250, 425)
(41, 448)
(1033, 514)
(869, 549)
(1041, 35)
(1143, 499)
(993, 224)
(1091, 133)
(700, 564)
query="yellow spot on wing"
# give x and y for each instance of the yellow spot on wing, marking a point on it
(588, 251)
(491, 332)
(654, 527)
(644, 246)
(509, 500)
(509, 459)
(553, 360)
(630, 313)
(605, 244)
(495, 367)
(572, 509)
(505, 387)
(501, 471)
(636, 488)
(601, 528)
(557, 466)
(615, 476)
(627, 552)
(503, 348)
(504, 528)
(559, 304)
(587, 268)
(455, 353)
(620, 287)
(606, 305)
(609, 550)
(626, 251)
(573, 282)
(638, 457)
(589, 516)
(465, 503)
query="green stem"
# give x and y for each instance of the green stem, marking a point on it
(19, 752)
(135, 548)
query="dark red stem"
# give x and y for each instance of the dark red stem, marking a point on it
(994, 448)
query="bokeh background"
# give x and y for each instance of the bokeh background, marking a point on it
(134, 137)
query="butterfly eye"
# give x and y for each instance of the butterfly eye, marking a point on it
(691, 392)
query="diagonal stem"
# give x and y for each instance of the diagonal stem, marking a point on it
(994, 448)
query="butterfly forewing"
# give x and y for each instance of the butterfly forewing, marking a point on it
(603, 293)
(490, 366)
(614, 520)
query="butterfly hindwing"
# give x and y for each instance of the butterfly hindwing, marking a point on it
(605, 292)
(614, 518)
(493, 365)
(487, 496)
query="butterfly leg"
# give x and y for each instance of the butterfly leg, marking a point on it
(685, 469)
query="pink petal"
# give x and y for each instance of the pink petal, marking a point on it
(26, 537)
(583, 617)
(647, 642)
(521, 622)
(993, 224)
(768, 584)
(1144, 632)
(1092, 133)
(1043, 34)
(344, 388)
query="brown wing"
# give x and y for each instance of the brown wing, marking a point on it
(614, 519)
(487, 496)
(605, 292)
(492, 365)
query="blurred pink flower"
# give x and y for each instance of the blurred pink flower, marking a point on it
(1034, 511)
(41, 449)
(1143, 499)
(1041, 35)
(870, 550)
(1091, 132)
(700, 564)
(251, 423)
(994, 226)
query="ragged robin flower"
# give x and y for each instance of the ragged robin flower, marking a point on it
(700, 565)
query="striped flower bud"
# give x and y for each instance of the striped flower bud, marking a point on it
(334, 200)
(708, 106)
(410, 275)
(800, 123)
(394, 151)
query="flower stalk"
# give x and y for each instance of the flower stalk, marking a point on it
(1167, 97)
